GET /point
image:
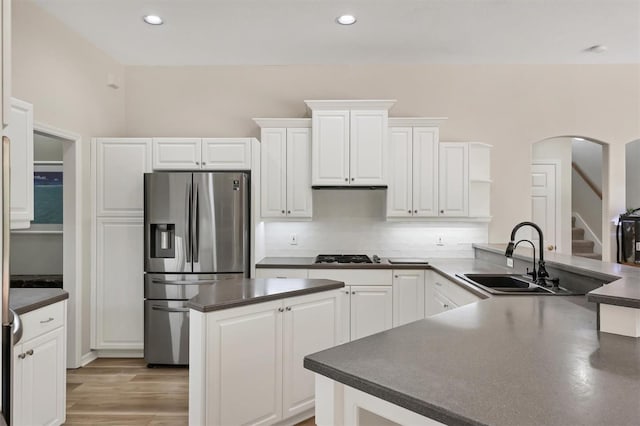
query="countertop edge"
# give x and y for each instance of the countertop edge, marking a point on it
(260, 299)
(423, 408)
(614, 300)
(384, 266)
(41, 303)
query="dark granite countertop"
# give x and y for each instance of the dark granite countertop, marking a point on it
(308, 263)
(23, 300)
(248, 291)
(623, 288)
(36, 281)
(501, 361)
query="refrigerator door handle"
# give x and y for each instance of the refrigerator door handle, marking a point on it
(196, 225)
(187, 242)
(165, 309)
(182, 282)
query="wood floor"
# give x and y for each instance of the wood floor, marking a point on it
(117, 391)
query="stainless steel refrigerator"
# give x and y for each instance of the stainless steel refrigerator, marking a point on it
(196, 231)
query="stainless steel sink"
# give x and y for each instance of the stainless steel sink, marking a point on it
(512, 284)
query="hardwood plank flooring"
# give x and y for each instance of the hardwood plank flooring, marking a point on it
(123, 391)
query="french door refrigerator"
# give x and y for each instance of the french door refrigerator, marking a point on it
(196, 231)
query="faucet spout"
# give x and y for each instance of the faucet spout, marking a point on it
(542, 271)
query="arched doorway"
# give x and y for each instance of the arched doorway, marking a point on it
(568, 194)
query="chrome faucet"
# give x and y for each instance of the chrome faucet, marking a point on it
(541, 275)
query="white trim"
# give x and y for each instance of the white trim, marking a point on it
(597, 248)
(417, 121)
(72, 249)
(119, 353)
(88, 358)
(283, 122)
(558, 165)
(360, 104)
(32, 231)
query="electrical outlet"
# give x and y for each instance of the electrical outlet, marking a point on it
(293, 240)
(509, 262)
(439, 240)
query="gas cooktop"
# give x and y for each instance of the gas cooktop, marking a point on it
(343, 258)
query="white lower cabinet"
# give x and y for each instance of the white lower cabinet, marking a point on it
(39, 368)
(408, 296)
(441, 294)
(281, 273)
(371, 310)
(246, 363)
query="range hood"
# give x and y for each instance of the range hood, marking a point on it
(370, 187)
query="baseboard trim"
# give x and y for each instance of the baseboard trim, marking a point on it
(300, 417)
(87, 358)
(119, 353)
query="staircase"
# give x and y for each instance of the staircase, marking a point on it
(580, 246)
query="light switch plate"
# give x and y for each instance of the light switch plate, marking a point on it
(293, 240)
(509, 262)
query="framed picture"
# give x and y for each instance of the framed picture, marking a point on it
(47, 193)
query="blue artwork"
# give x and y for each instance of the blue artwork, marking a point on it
(47, 196)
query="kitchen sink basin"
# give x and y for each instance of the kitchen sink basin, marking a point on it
(512, 284)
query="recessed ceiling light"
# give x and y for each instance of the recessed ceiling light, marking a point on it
(346, 19)
(153, 20)
(597, 48)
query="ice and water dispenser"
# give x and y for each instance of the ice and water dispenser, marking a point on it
(163, 236)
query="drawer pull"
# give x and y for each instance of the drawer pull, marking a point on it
(46, 321)
(438, 284)
(30, 352)
(288, 308)
(446, 306)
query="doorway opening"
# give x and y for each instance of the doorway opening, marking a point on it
(568, 197)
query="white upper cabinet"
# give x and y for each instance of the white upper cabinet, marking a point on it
(177, 153)
(479, 179)
(226, 153)
(285, 169)
(120, 165)
(20, 132)
(349, 142)
(413, 154)
(454, 179)
(5, 48)
(330, 148)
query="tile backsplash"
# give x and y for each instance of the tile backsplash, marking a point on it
(353, 221)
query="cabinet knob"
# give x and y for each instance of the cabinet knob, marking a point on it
(395, 276)
(21, 356)
(409, 211)
(280, 310)
(353, 292)
(288, 211)
(288, 308)
(441, 211)
(204, 163)
(197, 163)
(415, 211)
(352, 179)
(446, 306)
(30, 352)
(282, 211)
(346, 179)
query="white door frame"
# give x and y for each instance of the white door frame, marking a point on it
(71, 238)
(558, 166)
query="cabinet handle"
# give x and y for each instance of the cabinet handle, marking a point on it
(346, 179)
(204, 163)
(197, 163)
(280, 310)
(352, 179)
(46, 321)
(282, 211)
(30, 352)
(395, 276)
(409, 211)
(441, 211)
(288, 211)
(353, 292)
(446, 306)
(415, 211)
(288, 308)
(22, 356)
(438, 284)
(346, 292)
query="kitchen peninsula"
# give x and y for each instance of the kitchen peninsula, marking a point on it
(247, 341)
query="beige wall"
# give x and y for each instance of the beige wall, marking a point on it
(64, 77)
(508, 106)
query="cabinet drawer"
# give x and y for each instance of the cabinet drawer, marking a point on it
(453, 291)
(43, 320)
(281, 273)
(354, 276)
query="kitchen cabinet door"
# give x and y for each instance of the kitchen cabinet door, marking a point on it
(298, 181)
(371, 310)
(226, 153)
(425, 171)
(120, 165)
(119, 313)
(330, 148)
(408, 296)
(400, 191)
(311, 324)
(454, 179)
(368, 144)
(345, 317)
(20, 132)
(39, 386)
(273, 173)
(244, 365)
(177, 153)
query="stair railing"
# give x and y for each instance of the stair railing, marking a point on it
(586, 178)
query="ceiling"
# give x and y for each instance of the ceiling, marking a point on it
(230, 32)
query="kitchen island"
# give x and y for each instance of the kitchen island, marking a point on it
(247, 341)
